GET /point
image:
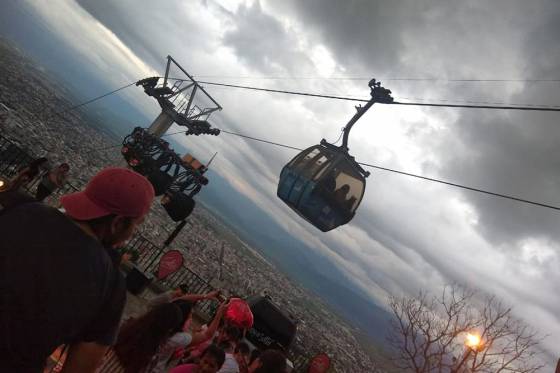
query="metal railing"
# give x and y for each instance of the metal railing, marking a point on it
(148, 262)
(13, 159)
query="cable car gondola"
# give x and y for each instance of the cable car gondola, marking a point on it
(324, 184)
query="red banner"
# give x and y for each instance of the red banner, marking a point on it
(319, 364)
(169, 263)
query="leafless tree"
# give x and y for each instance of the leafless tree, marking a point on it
(428, 335)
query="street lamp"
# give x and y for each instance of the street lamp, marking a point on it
(4, 185)
(473, 341)
(474, 344)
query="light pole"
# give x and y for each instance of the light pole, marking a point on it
(474, 344)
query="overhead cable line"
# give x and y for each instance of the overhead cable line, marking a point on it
(90, 101)
(363, 164)
(261, 140)
(383, 79)
(477, 102)
(456, 185)
(501, 195)
(531, 108)
(117, 145)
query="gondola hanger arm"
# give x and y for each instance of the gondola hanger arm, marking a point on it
(378, 94)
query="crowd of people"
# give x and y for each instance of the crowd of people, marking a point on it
(51, 180)
(61, 285)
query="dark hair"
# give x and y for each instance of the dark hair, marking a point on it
(184, 288)
(37, 162)
(186, 309)
(217, 353)
(273, 361)
(226, 345)
(139, 339)
(34, 166)
(233, 332)
(242, 348)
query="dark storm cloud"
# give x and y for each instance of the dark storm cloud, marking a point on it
(508, 152)
(261, 41)
(365, 36)
(516, 152)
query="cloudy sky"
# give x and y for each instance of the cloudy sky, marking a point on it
(408, 234)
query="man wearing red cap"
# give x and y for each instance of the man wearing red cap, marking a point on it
(59, 280)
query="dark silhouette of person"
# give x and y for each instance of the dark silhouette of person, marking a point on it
(341, 194)
(329, 182)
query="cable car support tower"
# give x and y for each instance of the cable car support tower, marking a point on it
(176, 178)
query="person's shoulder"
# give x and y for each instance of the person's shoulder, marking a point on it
(25, 213)
(14, 199)
(230, 364)
(182, 338)
(24, 204)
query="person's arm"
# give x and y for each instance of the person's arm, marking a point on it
(211, 330)
(84, 357)
(165, 297)
(21, 178)
(196, 297)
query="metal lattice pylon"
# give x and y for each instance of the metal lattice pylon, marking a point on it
(184, 102)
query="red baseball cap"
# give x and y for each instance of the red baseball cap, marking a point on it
(114, 190)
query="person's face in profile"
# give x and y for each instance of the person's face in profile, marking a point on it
(208, 364)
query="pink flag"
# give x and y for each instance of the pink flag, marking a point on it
(169, 263)
(319, 364)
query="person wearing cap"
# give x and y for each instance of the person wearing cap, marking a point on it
(59, 280)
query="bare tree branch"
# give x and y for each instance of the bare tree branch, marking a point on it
(428, 334)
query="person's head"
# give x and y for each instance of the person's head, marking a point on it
(186, 310)
(344, 189)
(166, 198)
(64, 167)
(270, 361)
(113, 204)
(140, 338)
(39, 162)
(184, 289)
(227, 346)
(211, 360)
(230, 333)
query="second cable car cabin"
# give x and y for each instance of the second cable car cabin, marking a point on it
(324, 185)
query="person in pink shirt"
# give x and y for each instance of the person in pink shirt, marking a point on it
(211, 361)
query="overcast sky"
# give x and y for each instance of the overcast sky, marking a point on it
(408, 234)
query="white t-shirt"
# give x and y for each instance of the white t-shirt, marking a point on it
(230, 365)
(165, 352)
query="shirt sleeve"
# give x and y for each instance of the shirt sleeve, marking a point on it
(163, 298)
(103, 329)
